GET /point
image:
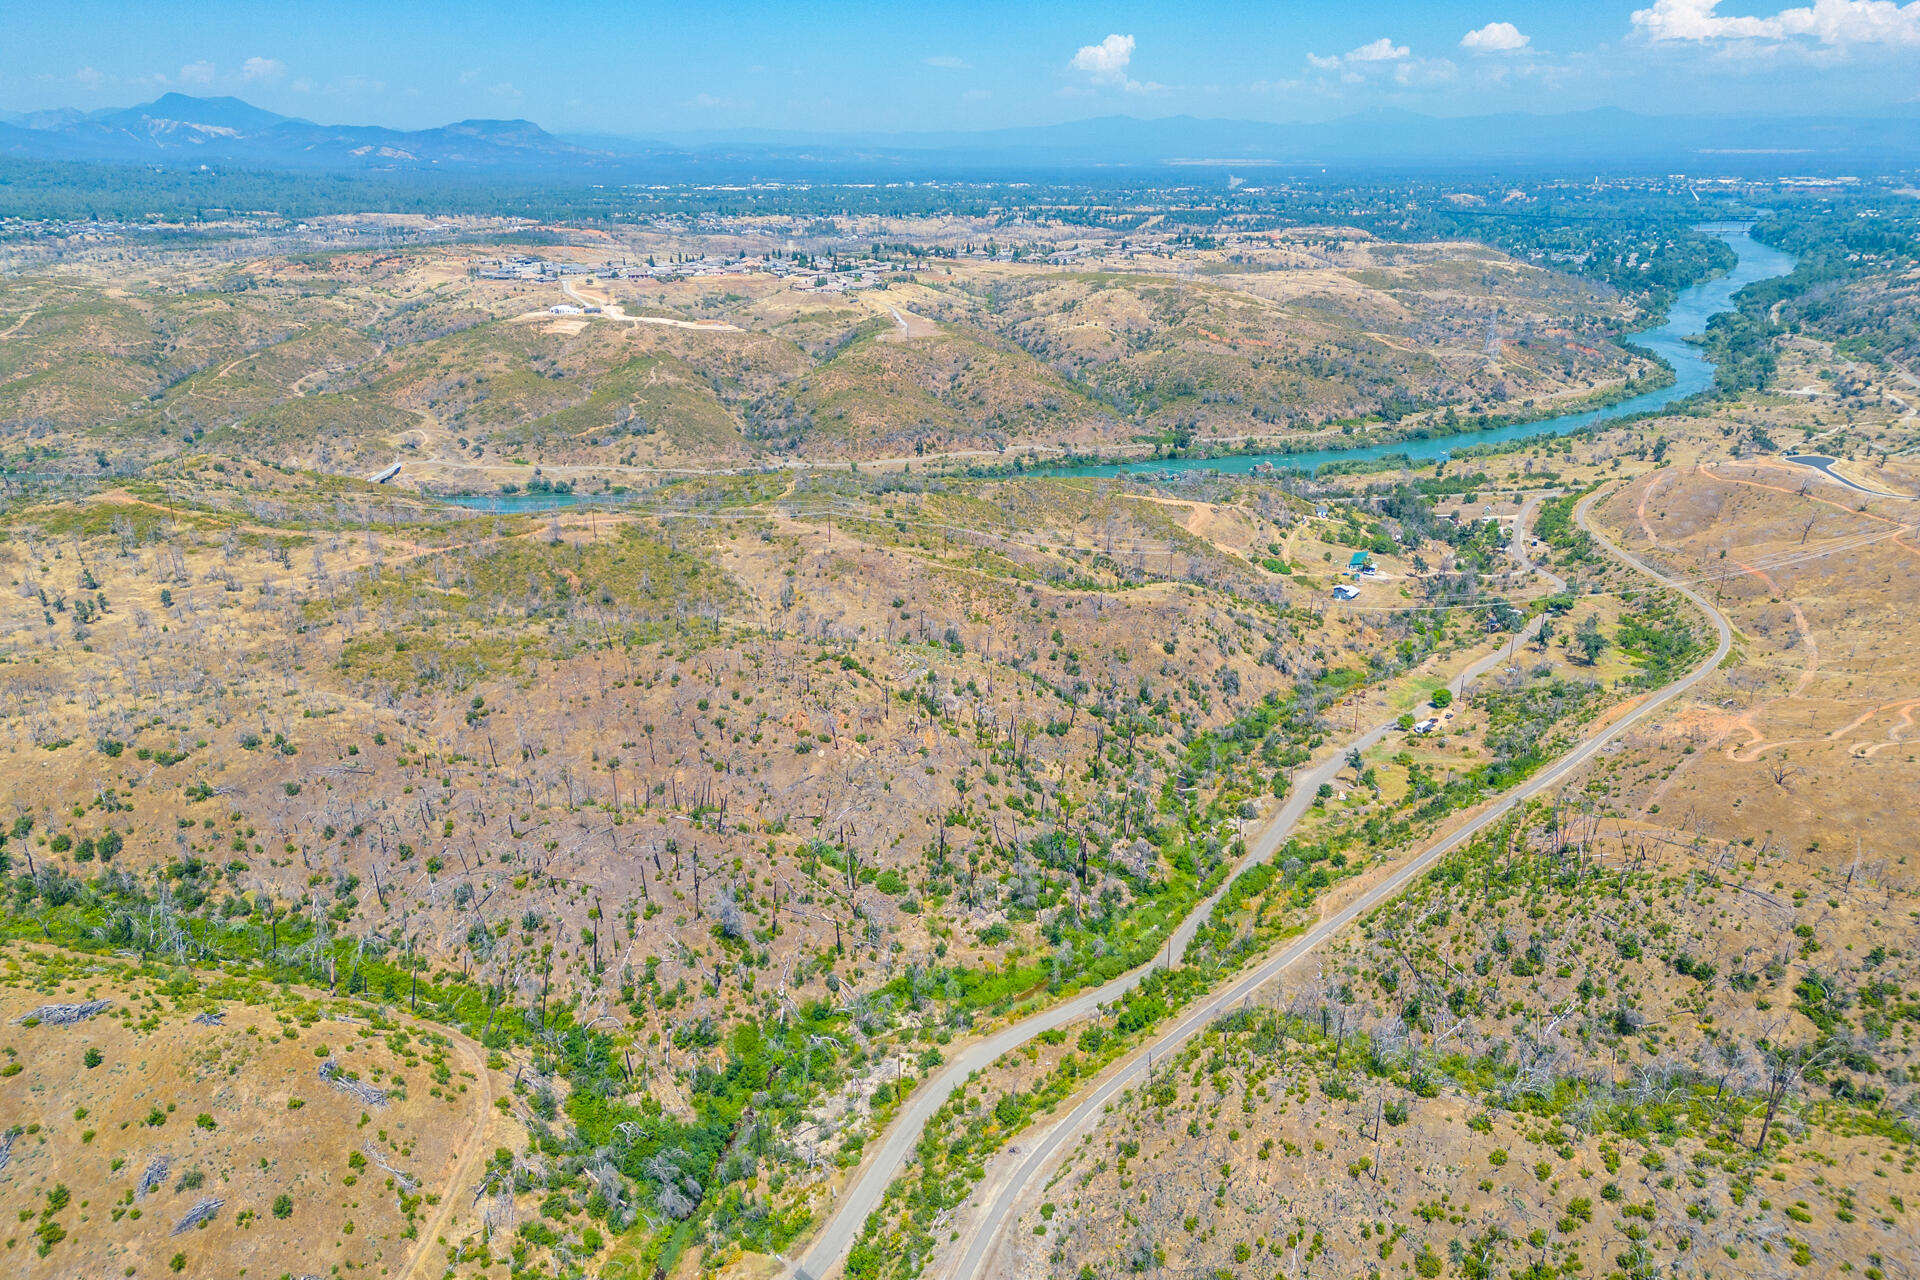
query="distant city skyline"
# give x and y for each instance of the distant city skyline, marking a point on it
(649, 68)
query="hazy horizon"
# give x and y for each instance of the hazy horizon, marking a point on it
(942, 68)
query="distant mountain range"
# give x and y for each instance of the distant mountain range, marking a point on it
(178, 130)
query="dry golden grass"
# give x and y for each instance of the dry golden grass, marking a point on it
(238, 1112)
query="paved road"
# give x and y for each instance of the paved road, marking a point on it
(884, 1163)
(1038, 1155)
(1824, 465)
(1523, 531)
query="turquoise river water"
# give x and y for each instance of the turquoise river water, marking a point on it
(1693, 373)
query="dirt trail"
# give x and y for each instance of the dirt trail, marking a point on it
(1640, 511)
(1901, 529)
(470, 1152)
(1800, 623)
(231, 365)
(1748, 752)
(1893, 731)
(1197, 521)
(1757, 743)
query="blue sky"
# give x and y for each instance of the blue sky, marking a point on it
(841, 65)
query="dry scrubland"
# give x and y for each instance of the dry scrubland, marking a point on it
(695, 831)
(860, 765)
(218, 1126)
(854, 766)
(343, 361)
(1662, 1023)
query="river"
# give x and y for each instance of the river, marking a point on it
(1693, 373)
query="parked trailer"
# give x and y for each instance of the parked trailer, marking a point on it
(381, 477)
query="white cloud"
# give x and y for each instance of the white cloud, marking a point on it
(1378, 59)
(1374, 52)
(505, 92)
(262, 69)
(1106, 63)
(715, 102)
(200, 72)
(89, 78)
(1827, 22)
(1381, 50)
(947, 62)
(1496, 37)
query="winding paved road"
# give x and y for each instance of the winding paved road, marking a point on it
(986, 1229)
(886, 1160)
(1824, 465)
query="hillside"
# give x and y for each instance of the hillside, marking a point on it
(343, 362)
(740, 804)
(199, 1124)
(1662, 1022)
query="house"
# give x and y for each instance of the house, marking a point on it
(1346, 591)
(563, 309)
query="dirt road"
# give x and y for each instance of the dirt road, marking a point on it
(429, 1257)
(1036, 1156)
(614, 311)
